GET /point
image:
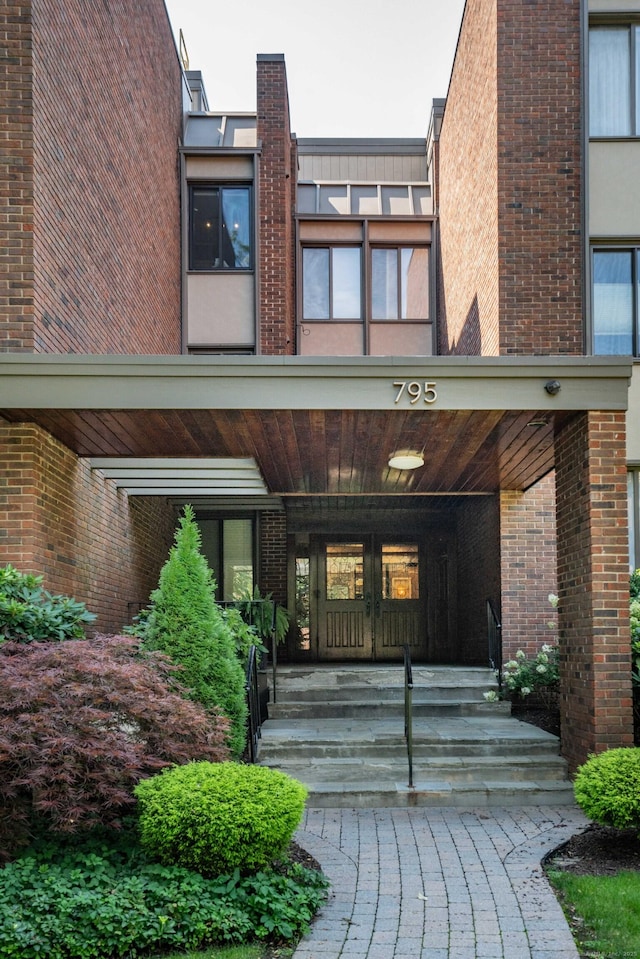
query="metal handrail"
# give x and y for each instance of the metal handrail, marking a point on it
(254, 731)
(494, 635)
(408, 710)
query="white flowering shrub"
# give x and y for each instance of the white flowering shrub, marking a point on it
(522, 676)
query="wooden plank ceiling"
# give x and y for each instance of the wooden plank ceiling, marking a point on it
(327, 452)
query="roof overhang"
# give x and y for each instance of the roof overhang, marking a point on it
(310, 426)
(292, 382)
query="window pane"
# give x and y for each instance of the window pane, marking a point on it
(307, 194)
(636, 32)
(315, 284)
(609, 82)
(384, 284)
(346, 283)
(237, 558)
(345, 571)
(333, 199)
(204, 229)
(236, 245)
(395, 200)
(415, 284)
(612, 302)
(400, 572)
(364, 200)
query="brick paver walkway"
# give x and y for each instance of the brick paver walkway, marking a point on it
(438, 883)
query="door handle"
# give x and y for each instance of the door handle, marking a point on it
(367, 605)
(377, 607)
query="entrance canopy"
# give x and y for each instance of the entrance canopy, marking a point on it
(314, 426)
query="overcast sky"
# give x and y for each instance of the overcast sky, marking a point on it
(355, 67)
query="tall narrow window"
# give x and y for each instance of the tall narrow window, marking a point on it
(614, 81)
(633, 479)
(331, 283)
(219, 228)
(228, 546)
(615, 301)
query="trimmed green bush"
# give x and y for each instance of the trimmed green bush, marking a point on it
(187, 625)
(216, 817)
(607, 788)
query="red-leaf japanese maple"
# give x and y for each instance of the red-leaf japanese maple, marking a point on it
(81, 722)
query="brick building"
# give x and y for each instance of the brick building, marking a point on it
(392, 376)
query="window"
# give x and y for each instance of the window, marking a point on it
(220, 228)
(399, 284)
(614, 81)
(331, 283)
(615, 301)
(634, 518)
(228, 545)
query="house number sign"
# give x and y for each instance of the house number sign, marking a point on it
(415, 391)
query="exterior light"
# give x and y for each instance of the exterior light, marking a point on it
(406, 460)
(552, 387)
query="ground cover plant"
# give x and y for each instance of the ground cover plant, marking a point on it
(81, 722)
(186, 623)
(217, 817)
(604, 912)
(100, 897)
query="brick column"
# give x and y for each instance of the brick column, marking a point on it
(16, 177)
(593, 585)
(528, 567)
(273, 555)
(277, 180)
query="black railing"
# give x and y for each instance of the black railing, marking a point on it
(494, 634)
(254, 612)
(408, 710)
(254, 720)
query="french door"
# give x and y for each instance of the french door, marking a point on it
(370, 598)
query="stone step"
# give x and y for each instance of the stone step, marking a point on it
(354, 770)
(340, 731)
(488, 794)
(370, 709)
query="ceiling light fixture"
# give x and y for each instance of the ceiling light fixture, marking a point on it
(406, 460)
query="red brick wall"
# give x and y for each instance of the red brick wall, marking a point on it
(89, 540)
(468, 207)
(593, 585)
(510, 182)
(272, 574)
(276, 198)
(107, 118)
(478, 575)
(528, 549)
(539, 177)
(16, 178)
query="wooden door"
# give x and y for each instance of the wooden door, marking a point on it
(399, 604)
(344, 600)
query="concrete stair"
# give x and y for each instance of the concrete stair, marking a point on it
(340, 730)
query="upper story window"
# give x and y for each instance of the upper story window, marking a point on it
(614, 81)
(219, 228)
(331, 283)
(615, 301)
(399, 283)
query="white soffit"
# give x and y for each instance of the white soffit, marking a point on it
(178, 477)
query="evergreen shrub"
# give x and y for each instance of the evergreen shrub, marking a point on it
(186, 623)
(215, 818)
(607, 788)
(28, 613)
